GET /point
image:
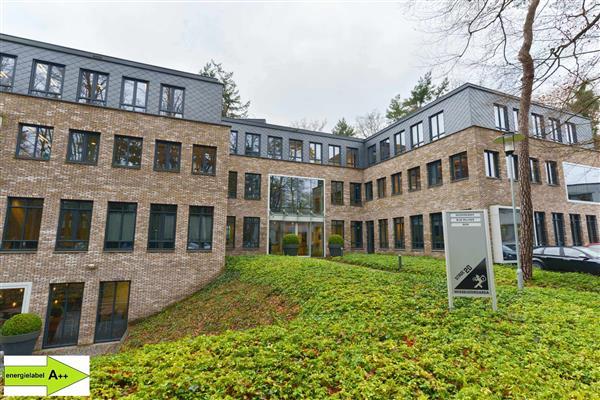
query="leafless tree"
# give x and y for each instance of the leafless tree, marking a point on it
(316, 125)
(370, 123)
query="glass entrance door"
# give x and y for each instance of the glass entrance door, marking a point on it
(310, 233)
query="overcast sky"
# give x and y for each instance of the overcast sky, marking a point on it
(292, 61)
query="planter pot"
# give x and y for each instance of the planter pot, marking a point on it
(19, 345)
(290, 249)
(336, 250)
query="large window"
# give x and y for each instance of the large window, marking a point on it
(397, 183)
(558, 224)
(295, 150)
(74, 225)
(416, 135)
(233, 142)
(534, 170)
(399, 232)
(368, 191)
(127, 152)
(437, 231)
(335, 155)
(592, 228)
(251, 239)
(571, 132)
(416, 232)
(92, 87)
(541, 236)
(414, 179)
(34, 142)
(252, 147)
(83, 147)
(501, 117)
(232, 184)
(512, 167)
(47, 79)
(356, 234)
(167, 156)
(399, 143)
(352, 157)
(384, 149)
(120, 226)
(555, 133)
(204, 160)
(296, 196)
(459, 166)
(381, 188)
(552, 172)
(171, 101)
(355, 194)
(337, 227)
(582, 181)
(63, 314)
(134, 95)
(492, 169)
(337, 193)
(14, 299)
(200, 228)
(383, 234)
(22, 223)
(113, 310)
(7, 72)
(576, 234)
(436, 125)
(372, 155)
(315, 153)
(538, 125)
(434, 173)
(230, 232)
(275, 147)
(252, 186)
(161, 229)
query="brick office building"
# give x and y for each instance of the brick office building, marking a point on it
(122, 188)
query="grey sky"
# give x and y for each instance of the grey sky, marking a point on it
(292, 61)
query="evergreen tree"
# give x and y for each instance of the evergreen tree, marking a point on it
(587, 103)
(342, 128)
(233, 107)
(423, 92)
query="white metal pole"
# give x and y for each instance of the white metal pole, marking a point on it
(515, 227)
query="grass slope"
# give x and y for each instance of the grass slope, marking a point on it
(366, 333)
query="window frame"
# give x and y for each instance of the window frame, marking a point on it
(538, 125)
(417, 174)
(501, 117)
(440, 133)
(552, 173)
(381, 187)
(37, 135)
(352, 154)
(571, 132)
(491, 161)
(230, 244)
(333, 147)
(166, 112)
(135, 81)
(464, 172)
(555, 131)
(576, 229)
(372, 154)
(335, 225)
(86, 136)
(232, 188)
(45, 93)
(337, 195)
(233, 133)
(356, 240)
(396, 183)
(100, 298)
(592, 228)
(270, 140)
(204, 150)
(534, 170)
(293, 151)
(399, 243)
(416, 234)
(5, 229)
(246, 191)
(9, 88)
(169, 145)
(66, 303)
(384, 149)
(400, 142)
(436, 222)
(247, 244)
(92, 100)
(384, 239)
(318, 156)
(353, 200)
(539, 228)
(368, 191)
(253, 136)
(558, 227)
(201, 211)
(120, 241)
(161, 228)
(437, 164)
(78, 211)
(418, 129)
(129, 139)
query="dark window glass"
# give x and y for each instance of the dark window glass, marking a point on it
(416, 232)
(399, 232)
(252, 144)
(275, 147)
(337, 227)
(541, 236)
(571, 132)
(74, 225)
(558, 223)
(161, 229)
(7, 72)
(167, 156)
(492, 168)
(232, 185)
(335, 155)
(416, 135)
(414, 179)
(592, 228)
(63, 315)
(383, 234)
(552, 172)
(134, 95)
(252, 187)
(436, 126)
(397, 183)
(576, 229)
(512, 167)
(459, 166)
(381, 188)
(34, 142)
(399, 143)
(538, 126)
(83, 147)
(337, 193)
(295, 150)
(534, 170)
(200, 228)
(434, 173)
(355, 194)
(372, 155)
(127, 152)
(555, 133)
(356, 237)
(501, 117)
(384, 149)
(47, 79)
(251, 232)
(11, 302)
(120, 226)
(368, 191)
(204, 160)
(233, 142)
(437, 231)
(171, 101)
(351, 157)
(315, 153)
(92, 87)
(113, 310)
(22, 223)
(230, 232)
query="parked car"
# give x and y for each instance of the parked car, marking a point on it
(594, 246)
(568, 259)
(508, 252)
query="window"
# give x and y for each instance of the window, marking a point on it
(356, 235)
(399, 143)
(74, 224)
(414, 179)
(416, 232)
(233, 142)
(459, 166)
(501, 117)
(436, 126)
(63, 315)
(552, 173)
(230, 232)
(275, 147)
(368, 191)
(592, 228)
(434, 173)
(492, 169)
(399, 232)
(232, 185)
(14, 299)
(538, 125)
(335, 155)
(516, 118)
(161, 229)
(92, 87)
(372, 155)
(120, 226)
(384, 149)
(22, 223)
(7, 72)
(571, 132)
(383, 234)
(539, 220)
(355, 194)
(296, 196)
(171, 101)
(397, 183)
(295, 150)
(337, 193)
(437, 231)
(416, 135)
(252, 187)
(127, 152)
(204, 160)
(83, 147)
(381, 188)
(200, 228)
(134, 95)
(555, 134)
(34, 142)
(512, 167)
(113, 310)
(351, 157)
(576, 229)
(337, 227)
(534, 170)
(558, 223)
(167, 156)
(315, 153)
(252, 144)
(251, 232)
(47, 79)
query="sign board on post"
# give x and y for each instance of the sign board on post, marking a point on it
(469, 268)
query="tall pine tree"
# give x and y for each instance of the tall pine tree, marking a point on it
(233, 107)
(423, 92)
(342, 128)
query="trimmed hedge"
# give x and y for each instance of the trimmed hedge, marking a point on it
(336, 240)
(21, 324)
(290, 238)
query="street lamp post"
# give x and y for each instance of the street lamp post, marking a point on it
(509, 139)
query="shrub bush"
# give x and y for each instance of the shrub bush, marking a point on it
(21, 324)
(291, 239)
(336, 240)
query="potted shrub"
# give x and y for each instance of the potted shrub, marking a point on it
(19, 334)
(291, 243)
(336, 246)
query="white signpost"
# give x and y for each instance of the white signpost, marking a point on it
(469, 268)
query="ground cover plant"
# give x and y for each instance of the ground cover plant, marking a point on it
(368, 333)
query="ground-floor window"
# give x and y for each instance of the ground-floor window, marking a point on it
(383, 234)
(230, 232)
(592, 227)
(437, 231)
(14, 299)
(576, 229)
(356, 237)
(200, 228)
(558, 223)
(541, 237)
(251, 234)
(113, 309)
(399, 232)
(63, 314)
(310, 234)
(416, 232)
(337, 227)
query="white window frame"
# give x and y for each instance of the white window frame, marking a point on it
(490, 164)
(501, 119)
(26, 293)
(550, 181)
(570, 131)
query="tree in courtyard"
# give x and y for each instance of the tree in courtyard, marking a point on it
(315, 125)
(370, 123)
(233, 106)
(423, 92)
(342, 128)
